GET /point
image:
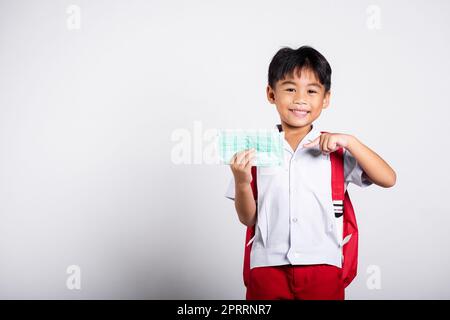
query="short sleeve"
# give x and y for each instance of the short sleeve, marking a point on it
(353, 172)
(230, 190)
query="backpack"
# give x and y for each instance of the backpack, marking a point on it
(347, 229)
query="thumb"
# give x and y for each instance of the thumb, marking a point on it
(313, 143)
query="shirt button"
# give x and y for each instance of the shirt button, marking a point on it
(294, 219)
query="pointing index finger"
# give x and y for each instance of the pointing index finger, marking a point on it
(313, 143)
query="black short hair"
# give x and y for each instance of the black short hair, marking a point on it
(286, 60)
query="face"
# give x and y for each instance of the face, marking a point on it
(299, 98)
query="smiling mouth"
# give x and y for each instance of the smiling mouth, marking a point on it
(299, 113)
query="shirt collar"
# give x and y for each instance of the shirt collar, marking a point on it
(310, 136)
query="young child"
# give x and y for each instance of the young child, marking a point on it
(294, 254)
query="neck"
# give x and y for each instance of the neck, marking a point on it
(291, 132)
(293, 135)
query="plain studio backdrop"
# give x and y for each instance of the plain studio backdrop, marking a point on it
(95, 95)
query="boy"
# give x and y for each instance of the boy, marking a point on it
(294, 254)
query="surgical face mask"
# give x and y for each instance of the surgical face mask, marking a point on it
(267, 143)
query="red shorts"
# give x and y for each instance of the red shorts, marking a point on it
(305, 282)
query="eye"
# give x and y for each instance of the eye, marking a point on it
(289, 90)
(312, 91)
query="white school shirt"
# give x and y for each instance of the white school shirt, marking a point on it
(296, 222)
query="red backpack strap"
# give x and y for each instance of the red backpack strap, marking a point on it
(253, 183)
(347, 228)
(337, 175)
(337, 180)
(250, 232)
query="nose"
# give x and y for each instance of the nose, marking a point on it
(300, 98)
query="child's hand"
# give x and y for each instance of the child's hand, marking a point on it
(330, 142)
(241, 165)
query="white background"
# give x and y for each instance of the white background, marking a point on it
(87, 115)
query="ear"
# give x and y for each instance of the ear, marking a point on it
(326, 100)
(270, 94)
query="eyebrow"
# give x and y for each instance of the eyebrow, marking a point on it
(315, 84)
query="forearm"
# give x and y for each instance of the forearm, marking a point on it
(373, 165)
(245, 204)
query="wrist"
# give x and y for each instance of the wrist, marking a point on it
(242, 186)
(351, 142)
